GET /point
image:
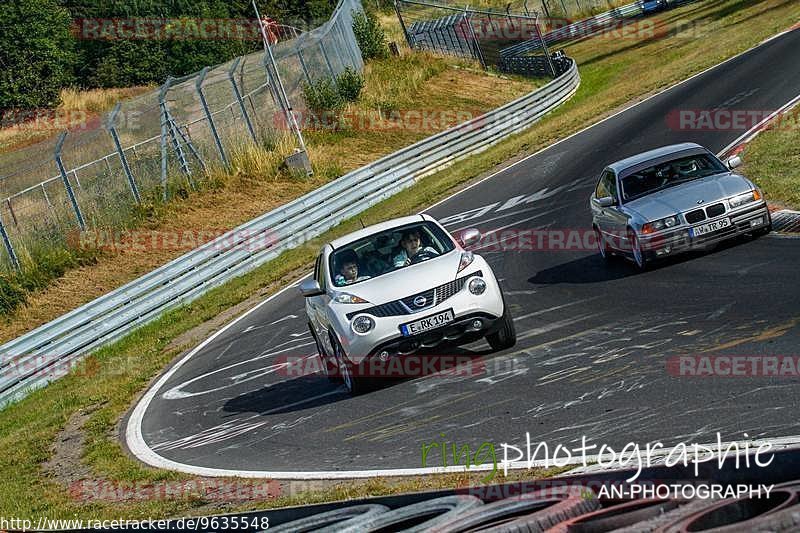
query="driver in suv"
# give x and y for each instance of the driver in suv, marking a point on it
(412, 250)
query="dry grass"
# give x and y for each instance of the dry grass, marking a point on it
(77, 108)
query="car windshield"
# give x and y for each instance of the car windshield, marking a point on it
(666, 174)
(388, 251)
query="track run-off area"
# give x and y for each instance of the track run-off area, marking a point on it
(594, 340)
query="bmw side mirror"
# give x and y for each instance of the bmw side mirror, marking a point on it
(469, 237)
(606, 201)
(734, 162)
(310, 287)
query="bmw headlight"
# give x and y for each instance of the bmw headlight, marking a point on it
(477, 286)
(745, 198)
(362, 324)
(661, 224)
(347, 298)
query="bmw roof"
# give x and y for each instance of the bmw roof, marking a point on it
(637, 159)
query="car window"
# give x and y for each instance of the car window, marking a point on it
(607, 185)
(668, 173)
(388, 251)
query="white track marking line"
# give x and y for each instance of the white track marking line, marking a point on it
(133, 431)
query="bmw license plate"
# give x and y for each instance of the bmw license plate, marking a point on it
(427, 323)
(711, 227)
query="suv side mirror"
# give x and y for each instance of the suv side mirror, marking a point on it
(606, 201)
(469, 237)
(310, 287)
(734, 162)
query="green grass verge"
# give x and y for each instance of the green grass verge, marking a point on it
(772, 160)
(613, 72)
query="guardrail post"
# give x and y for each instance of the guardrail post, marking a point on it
(112, 117)
(162, 104)
(199, 87)
(67, 184)
(9, 247)
(238, 96)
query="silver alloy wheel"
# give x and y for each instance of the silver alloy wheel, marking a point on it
(601, 243)
(638, 256)
(344, 369)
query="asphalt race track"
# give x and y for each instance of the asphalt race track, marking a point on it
(594, 340)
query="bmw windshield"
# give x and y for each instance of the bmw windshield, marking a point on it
(667, 174)
(388, 251)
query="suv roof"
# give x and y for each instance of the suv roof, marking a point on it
(377, 228)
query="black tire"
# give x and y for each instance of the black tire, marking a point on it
(328, 367)
(637, 254)
(506, 336)
(572, 505)
(442, 510)
(333, 520)
(355, 384)
(546, 509)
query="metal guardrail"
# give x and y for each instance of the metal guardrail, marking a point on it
(48, 352)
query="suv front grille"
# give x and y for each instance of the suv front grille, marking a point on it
(405, 306)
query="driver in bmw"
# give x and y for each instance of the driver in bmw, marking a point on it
(412, 250)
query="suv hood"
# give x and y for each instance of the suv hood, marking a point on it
(684, 197)
(406, 281)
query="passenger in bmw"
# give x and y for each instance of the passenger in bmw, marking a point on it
(412, 250)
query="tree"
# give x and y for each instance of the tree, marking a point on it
(36, 53)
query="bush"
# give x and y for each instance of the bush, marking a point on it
(369, 35)
(323, 95)
(349, 84)
(36, 53)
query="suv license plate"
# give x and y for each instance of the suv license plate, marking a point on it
(429, 322)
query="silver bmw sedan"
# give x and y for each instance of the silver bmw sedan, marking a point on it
(666, 201)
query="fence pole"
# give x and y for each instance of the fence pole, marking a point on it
(478, 51)
(327, 60)
(238, 96)
(9, 247)
(544, 7)
(11, 210)
(67, 184)
(198, 85)
(162, 104)
(275, 77)
(402, 24)
(125, 168)
(303, 65)
(544, 47)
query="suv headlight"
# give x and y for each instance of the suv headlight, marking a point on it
(466, 260)
(658, 225)
(362, 324)
(745, 198)
(347, 298)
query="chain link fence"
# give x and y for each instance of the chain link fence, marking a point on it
(96, 174)
(478, 34)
